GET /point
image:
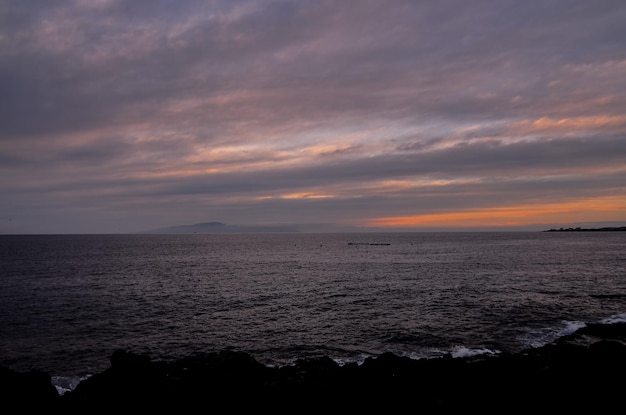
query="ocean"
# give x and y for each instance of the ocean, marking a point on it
(68, 301)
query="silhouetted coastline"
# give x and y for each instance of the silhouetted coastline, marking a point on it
(605, 229)
(583, 370)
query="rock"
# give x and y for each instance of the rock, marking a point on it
(563, 376)
(26, 392)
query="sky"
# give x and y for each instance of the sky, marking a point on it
(118, 116)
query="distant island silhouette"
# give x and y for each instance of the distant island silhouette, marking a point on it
(605, 229)
(219, 227)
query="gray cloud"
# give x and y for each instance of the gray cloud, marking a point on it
(227, 108)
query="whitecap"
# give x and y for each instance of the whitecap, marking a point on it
(64, 384)
(617, 318)
(462, 351)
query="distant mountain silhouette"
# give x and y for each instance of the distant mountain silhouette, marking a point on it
(219, 227)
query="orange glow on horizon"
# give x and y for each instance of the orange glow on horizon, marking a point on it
(611, 208)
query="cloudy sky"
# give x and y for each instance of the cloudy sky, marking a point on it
(127, 115)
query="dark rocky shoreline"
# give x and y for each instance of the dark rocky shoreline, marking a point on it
(606, 229)
(582, 371)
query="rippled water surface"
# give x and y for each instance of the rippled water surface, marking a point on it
(68, 301)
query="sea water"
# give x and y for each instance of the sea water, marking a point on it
(68, 301)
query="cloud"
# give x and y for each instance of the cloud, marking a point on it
(301, 109)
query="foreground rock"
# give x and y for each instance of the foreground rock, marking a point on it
(584, 371)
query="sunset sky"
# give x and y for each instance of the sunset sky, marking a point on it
(122, 116)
